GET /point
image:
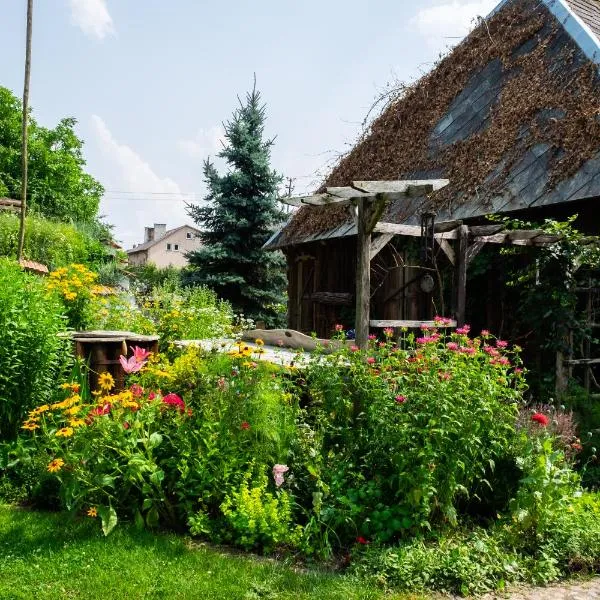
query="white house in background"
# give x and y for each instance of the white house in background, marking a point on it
(165, 248)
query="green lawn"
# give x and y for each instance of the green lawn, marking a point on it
(47, 555)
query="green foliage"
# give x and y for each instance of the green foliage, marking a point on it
(58, 186)
(395, 440)
(52, 243)
(258, 518)
(147, 276)
(32, 354)
(240, 215)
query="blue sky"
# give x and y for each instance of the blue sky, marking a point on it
(151, 81)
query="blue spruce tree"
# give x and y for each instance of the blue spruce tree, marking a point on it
(240, 213)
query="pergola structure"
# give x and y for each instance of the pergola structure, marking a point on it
(367, 201)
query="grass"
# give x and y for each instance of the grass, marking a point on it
(50, 555)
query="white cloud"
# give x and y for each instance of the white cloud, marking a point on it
(206, 142)
(92, 17)
(445, 24)
(137, 195)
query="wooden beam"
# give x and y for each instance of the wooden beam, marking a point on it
(409, 324)
(582, 361)
(346, 192)
(473, 250)
(401, 186)
(363, 273)
(411, 230)
(379, 243)
(461, 275)
(447, 249)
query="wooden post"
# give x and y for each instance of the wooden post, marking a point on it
(461, 274)
(363, 273)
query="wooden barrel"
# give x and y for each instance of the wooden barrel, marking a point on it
(101, 350)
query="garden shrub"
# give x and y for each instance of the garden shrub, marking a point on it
(32, 355)
(400, 435)
(48, 242)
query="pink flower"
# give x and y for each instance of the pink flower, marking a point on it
(444, 376)
(485, 333)
(354, 348)
(388, 332)
(372, 337)
(452, 346)
(137, 390)
(464, 330)
(278, 471)
(400, 399)
(221, 383)
(131, 365)
(280, 343)
(518, 371)
(381, 344)
(151, 396)
(469, 350)
(371, 360)
(434, 337)
(174, 400)
(339, 327)
(501, 344)
(491, 351)
(140, 354)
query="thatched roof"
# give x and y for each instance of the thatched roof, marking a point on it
(511, 117)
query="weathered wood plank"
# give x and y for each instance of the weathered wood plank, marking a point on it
(582, 361)
(447, 249)
(461, 275)
(346, 192)
(379, 243)
(380, 323)
(363, 273)
(401, 186)
(473, 250)
(411, 230)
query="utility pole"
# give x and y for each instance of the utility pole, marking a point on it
(290, 189)
(24, 158)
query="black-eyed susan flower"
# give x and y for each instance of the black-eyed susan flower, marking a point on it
(55, 465)
(65, 432)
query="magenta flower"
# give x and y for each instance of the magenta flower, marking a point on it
(131, 365)
(400, 399)
(372, 337)
(485, 333)
(278, 471)
(464, 330)
(501, 344)
(140, 354)
(137, 390)
(339, 327)
(174, 400)
(452, 346)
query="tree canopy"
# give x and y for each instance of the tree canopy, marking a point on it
(58, 186)
(239, 215)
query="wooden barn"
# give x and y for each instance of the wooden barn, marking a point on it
(511, 118)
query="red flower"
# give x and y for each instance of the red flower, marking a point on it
(354, 348)
(400, 399)
(540, 418)
(126, 425)
(245, 426)
(361, 540)
(174, 400)
(137, 390)
(371, 360)
(151, 396)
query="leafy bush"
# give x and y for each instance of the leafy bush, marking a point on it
(49, 242)
(401, 436)
(32, 354)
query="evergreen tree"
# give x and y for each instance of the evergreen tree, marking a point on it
(240, 214)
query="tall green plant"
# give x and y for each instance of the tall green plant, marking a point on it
(31, 353)
(239, 216)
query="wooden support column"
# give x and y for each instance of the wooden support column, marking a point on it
(461, 274)
(363, 272)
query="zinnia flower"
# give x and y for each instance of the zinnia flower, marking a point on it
(55, 465)
(278, 471)
(540, 418)
(174, 400)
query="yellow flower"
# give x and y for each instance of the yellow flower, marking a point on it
(259, 351)
(65, 432)
(76, 422)
(106, 381)
(259, 342)
(30, 425)
(73, 410)
(65, 386)
(39, 410)
(92, 512)
(70, 295)
(56, 465)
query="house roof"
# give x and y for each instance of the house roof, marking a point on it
(511, 117)
(146, 245)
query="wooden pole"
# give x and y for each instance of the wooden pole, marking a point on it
(363, 273)
(24, 131)
(461, 276)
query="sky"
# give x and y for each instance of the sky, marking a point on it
(150, 83)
